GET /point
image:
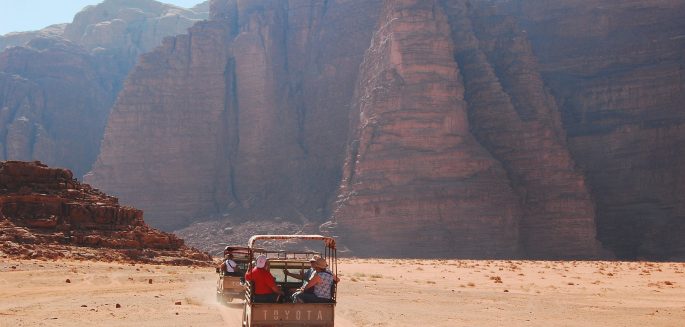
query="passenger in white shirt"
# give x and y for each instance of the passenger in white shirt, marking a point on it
(229, 266)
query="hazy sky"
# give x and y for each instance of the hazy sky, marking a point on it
(30, 15)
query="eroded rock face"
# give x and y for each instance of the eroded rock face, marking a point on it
(518, 122)
(478, 128)
(45, 212)
(58, 84)
(616, 70)
(269, 86)
(415, 180)
(53, 104)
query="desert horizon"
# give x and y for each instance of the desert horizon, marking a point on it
(372, 292)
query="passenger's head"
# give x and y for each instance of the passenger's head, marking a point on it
(261, 261)
(318, 262)
(313, 259)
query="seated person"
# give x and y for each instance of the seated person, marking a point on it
(304, 276)
(321, 284)
(265, 288)
(230, 267)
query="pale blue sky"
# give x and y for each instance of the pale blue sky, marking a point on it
(30, 15)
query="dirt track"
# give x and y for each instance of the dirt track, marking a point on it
(372, 293)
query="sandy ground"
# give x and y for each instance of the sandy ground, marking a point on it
(372, 293)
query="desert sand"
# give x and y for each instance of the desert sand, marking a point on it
(371, 293)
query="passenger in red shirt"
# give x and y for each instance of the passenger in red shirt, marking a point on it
(265, 288)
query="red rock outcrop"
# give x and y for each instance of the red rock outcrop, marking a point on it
(45, 212)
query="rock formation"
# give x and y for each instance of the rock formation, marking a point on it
(53, 103)
(57, 85)
(45, 212)
(415, 179)
(490, 128)
(617, 71)
(517, 120)
(266, 82)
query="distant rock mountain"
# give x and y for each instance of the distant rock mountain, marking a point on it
(458, 128)
(53, 103)
(57, 85)
(130, 26)
(16, 39)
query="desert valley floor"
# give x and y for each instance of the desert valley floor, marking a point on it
(371, 293)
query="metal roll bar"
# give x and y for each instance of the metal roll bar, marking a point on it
(328, 241)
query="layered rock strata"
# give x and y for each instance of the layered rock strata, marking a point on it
(45, 212)
(617, 71)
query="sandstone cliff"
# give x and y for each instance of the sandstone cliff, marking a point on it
(436, 128)
(52, 103)
(518, 121)
(617, 71)
(243, 113)
(74, 73)
(415, 180)
(45, 213)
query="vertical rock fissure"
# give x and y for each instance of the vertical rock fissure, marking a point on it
(232, 107)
